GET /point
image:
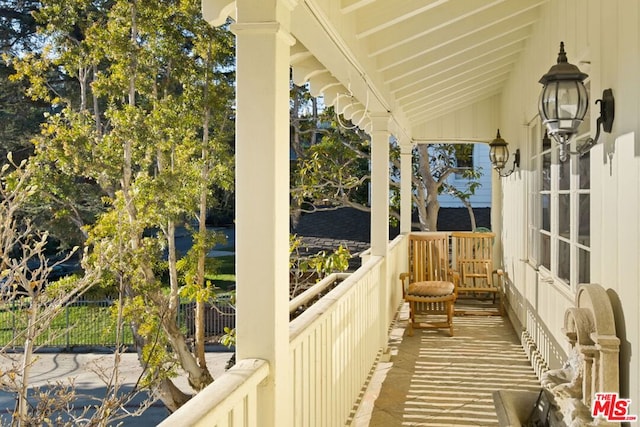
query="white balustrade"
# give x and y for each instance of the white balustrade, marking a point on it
(334, 345)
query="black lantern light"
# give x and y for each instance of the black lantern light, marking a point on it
(499, 155)
(563, 104)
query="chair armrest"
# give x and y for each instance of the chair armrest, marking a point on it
(500, 273)
(455, 278)
(404, 278)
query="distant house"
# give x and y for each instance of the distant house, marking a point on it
(482, 196)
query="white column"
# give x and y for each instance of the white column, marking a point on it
(496, 217)
(406, 175)
(379, 184)
(380, 214)
(262, 200)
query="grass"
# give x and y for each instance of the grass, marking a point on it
(91, 324)
(76, 325)
(225, 278)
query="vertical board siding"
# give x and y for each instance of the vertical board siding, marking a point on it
(606, 36)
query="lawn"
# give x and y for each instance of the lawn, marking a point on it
(225, 276)
(89, 323)
(82, 324)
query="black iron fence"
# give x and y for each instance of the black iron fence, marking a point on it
(90, 323)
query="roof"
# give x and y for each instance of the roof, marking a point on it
(326, 230)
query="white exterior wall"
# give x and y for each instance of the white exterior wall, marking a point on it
(607, 34)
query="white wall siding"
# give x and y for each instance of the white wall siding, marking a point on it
(606, 36)
(618, 255)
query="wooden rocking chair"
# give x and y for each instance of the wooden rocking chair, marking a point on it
(430, 286)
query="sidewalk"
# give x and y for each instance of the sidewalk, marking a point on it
(84, 369)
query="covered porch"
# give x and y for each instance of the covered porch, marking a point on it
(425, 71)
(436, 380)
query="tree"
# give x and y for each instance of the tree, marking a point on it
(433, 164)
(334, 173)
(19, 115)
(464, 193)
(150, 130)
(27, 287)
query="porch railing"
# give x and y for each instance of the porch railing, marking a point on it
(333, 347)
(232, 400)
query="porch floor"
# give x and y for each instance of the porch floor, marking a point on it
(437, 380)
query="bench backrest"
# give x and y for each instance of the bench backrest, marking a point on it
(473, 256)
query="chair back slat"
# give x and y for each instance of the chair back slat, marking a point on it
(429, 257)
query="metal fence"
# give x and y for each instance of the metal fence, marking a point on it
(90, 323)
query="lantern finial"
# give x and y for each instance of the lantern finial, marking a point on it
(562, 55)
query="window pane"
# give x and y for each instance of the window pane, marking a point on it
(464, 155)
(564, 170)
(564, 215)
(545, 251)
(583, 170)
(584, 218)
(564, 261)
(546, 171)
(584, 266)
(546, 211)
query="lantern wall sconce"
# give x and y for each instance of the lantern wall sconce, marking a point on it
(563, 104)
(499, 155)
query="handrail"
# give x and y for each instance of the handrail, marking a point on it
(213, 405)
(310, 293)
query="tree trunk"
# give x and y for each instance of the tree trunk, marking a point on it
(472, 215)
(172, 396)
(430, 187)
(22, 404)
(433, 207)
(198, 377)
(202, 228)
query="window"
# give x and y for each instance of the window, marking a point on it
(558, 194)
(463, 159)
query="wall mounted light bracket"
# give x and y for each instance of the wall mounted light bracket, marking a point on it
(607, 113)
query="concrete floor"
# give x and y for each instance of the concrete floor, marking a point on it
(433, 379)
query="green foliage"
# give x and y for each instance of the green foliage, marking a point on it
(187, 267)
(322, 263)
(329, 262)
(229, 337)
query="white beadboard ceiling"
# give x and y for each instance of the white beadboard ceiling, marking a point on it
(420, 60)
